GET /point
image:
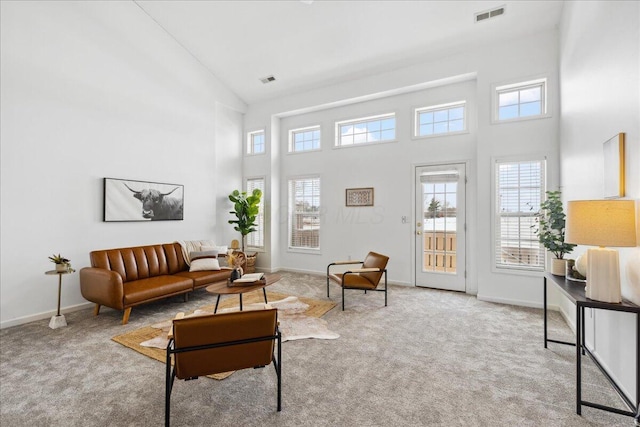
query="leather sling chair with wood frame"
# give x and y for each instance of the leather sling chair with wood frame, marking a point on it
(217, 343)
(365, 278)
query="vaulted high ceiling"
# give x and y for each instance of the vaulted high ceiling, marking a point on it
(310, 44)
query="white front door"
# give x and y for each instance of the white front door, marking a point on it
(440, 226)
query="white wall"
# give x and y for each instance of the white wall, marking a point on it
(388, 167)
(600, 80)
(93, 90)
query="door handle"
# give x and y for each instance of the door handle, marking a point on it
(419, 233)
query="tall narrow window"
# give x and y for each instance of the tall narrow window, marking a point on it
(306, 139)
(520, 187)
(256, 238)
(441, 119)
(366, 130)
(304, 213)
(255, 142)
(521, 100)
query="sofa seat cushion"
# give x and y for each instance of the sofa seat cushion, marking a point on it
(205, 278)
(155, 287)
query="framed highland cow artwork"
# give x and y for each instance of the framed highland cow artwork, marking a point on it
(128, 200)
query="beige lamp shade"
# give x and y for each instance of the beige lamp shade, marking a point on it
(601, 223)
(235, 244)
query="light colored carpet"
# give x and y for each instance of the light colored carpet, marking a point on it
(431, 358)
(298, 317)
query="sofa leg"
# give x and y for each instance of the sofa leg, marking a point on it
(125, 317)
(186, 297)
(96, 310)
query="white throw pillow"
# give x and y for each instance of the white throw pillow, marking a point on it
(220, 249)
(204, 264)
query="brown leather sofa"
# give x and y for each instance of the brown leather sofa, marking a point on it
(126, 277)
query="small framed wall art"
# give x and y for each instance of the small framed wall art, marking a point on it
(359, 196)
(127, 200)
(614, 167)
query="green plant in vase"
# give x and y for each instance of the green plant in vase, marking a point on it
(246, 209)
(62, 264)
(549, 227)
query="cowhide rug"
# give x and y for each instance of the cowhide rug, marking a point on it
(294, 324)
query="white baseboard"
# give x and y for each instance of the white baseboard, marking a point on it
(568, 319)
(324, 274)
(520, 303)
(44, 315)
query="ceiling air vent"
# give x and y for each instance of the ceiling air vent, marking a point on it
(488, 14)
(268, 79)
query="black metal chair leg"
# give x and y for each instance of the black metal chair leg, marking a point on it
(328, 280)
(385, 288)
(279, 371)
(170, 376)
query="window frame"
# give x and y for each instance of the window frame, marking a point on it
(292, 133)
(495, 215)
(291, 211)
(261, 216)
(501, 88)
(250, 145)
(439, 107)
(377, 117)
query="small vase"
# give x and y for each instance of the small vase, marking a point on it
(558, 267)
(235, 274)
(61, 268)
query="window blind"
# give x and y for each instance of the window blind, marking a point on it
(256, 239)
(519, 190)
(304, 213)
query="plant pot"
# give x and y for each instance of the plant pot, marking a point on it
(61, 268)
(558, 267)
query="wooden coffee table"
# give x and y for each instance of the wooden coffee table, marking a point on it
(222, 288)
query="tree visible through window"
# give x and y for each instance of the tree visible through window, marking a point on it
(520, 188)
(304, 213)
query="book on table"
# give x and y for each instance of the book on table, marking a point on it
(250, 278)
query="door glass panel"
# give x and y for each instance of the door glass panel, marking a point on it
(439, 200)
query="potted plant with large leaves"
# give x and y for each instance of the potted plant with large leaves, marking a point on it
(550, 224)
(246, 209)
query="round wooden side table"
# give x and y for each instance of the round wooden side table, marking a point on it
(58, 321)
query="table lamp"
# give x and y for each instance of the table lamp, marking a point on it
(602, 223)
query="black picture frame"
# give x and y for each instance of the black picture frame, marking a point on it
(127, 200)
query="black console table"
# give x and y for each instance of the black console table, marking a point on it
(576, 294)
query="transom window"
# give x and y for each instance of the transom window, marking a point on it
(366, 130)
(304, 213)
(521, 100)
(305, 139)
(255, 142)
(256, 239)
(520, 188)
(441, 119)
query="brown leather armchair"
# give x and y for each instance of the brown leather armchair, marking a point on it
(218, 343)
(366, 278)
